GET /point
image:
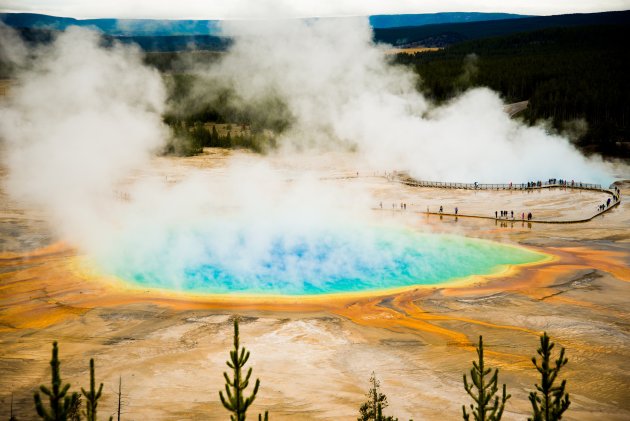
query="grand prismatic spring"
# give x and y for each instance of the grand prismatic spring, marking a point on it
(320, 294)
(340, 260)
(150, 199)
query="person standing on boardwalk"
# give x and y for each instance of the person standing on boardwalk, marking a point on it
(496, 214)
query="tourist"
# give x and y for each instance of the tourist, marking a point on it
(523, 216)
(496, 215)
(512, 212)
(456, 210)
(381, 205)
(441, 209)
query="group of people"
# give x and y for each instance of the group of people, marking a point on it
(403, 206)
(611, 200)
(551, 181)
(505, 214)
(456, 210)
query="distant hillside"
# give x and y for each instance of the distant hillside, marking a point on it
(115, 27)
(147, 43)
(156, 27)
(181, 35)
(571, 76)
(177, 43)
(394, 21)
(452, 33)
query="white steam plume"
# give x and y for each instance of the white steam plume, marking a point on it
(75, 124)
(342, 90)
(83, 117)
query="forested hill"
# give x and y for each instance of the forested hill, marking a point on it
(168, 27)
(569, 75)
(452, 33)
(393, 21)
(184, 35)
(574, 72)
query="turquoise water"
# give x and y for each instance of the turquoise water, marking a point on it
(224, 259)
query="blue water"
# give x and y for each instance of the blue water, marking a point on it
(232, 260)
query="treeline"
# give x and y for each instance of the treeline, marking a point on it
(178, 62)
(549, 399)
(190, 139)
(441, 35)
(194, 102)
(194, 98)
(569, 75)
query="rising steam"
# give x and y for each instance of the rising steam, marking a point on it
(81, 118)
(343, 92)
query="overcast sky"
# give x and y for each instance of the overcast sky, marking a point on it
(240, 9)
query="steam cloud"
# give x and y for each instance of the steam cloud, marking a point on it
(77, 120)
(342, 91)
(81, 118)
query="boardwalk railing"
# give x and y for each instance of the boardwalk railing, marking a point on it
(509, 186)
(606, 206)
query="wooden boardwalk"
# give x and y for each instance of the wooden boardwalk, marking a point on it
(552, 183)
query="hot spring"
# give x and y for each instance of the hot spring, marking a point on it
(230, 259)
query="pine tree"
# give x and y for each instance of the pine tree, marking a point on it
(372, 410)
(553, 400)
(60, 404)
(92, 396)
(234, 401)
(485, 409)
